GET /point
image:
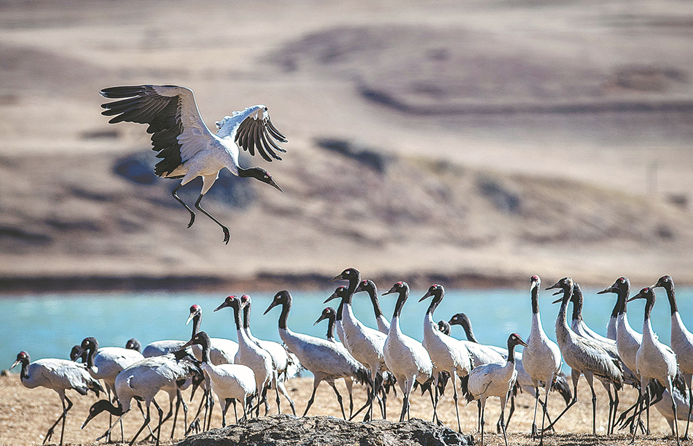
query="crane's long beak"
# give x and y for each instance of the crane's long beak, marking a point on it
(637, 296)
(272, 305)
(333, 296)
(611, 289)
(522, 343)
(223, 305)
(275, 185)
(184, 346)
(336, 278)
(192, 315)
(390, 291)
(15, 364)
(321, 318)
(557, 300)
(428, 294)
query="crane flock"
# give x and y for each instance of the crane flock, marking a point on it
(371, 357)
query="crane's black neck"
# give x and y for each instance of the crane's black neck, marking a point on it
(577, 303)
(671, 294)
(353, 283)
(511, 351)
(339, 311)
(403, 296)
(246, 316)
(237, 316)
(373, 294)
(196, 324)
(535, 300)
(330, 326)
(437, 299)
(650, 298)
(105, 405)
(562, 313)
(623, 292)
(204, 344)
(467, 326)
(24, 374)
(286, 306)
(92, 347)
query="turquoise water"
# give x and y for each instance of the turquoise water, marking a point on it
(48, 325)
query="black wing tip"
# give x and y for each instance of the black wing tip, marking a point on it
(125, 91)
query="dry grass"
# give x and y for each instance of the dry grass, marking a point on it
(26, 414)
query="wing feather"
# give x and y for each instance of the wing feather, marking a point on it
(257, 131)
(178, 132)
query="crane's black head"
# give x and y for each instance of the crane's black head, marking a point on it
(230, 301)
(646, 293)
(366, 285)
(98, 407)
(444, 327)
(665, 282)
(618, 285)
(563, 285)
(328, 313)
(201, 338)
(245, 300)
(281, 298)
(535, 282)
(133, 344)
(195, 311)
(433, 290)
(348, 274)
(515, 339)
(90, 343)
(460, 319)
(78, 352)
(339, 293)
(399, 287)
(259, 174)
(21, 358)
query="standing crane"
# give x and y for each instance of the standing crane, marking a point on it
(405, 357)
(228, 381)
(324, 359)
(542, 358)
(187, 147)
(494, 380)
(448, 354)
(59, 375)
(654, 360)
(681, 341)
(583, 355)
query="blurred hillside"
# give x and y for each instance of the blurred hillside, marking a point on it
(471, 143)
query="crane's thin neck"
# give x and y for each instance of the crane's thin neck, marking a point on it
(467, 326)
(246, 316)
(535, 300)
(205, 350)
(196, 324)
(339, 311)
(351, 289)
(330, 327)
(403, 296)
(577, 304)
(511, 352)
(373, 294)
(648, 307)
(623, 292)
(671, 295)
(562, 320)
(91, 352)
(237, 318)
(437, 299)
(286, 306)
(24, 374)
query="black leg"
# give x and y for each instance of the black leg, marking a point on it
(227, 235)
(339, 399)
(312, 398)
(175, 195)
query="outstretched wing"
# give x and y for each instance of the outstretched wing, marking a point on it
(257, 131)
(177, 129)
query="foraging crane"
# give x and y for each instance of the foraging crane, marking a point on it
(105, 363)
(405, 357)
(578, 326)
(326, 360)
(330, 315)
(250, 354)
(541, 358)
(142, 381)
(681, 341)
(583, 355)
(369, 287)
(280, 358)
(494, 380)
(228, 381)
(448, 354)
(654, 360)
(59, 375)
(187, 147)
(364, 343)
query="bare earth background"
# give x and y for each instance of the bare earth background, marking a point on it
(474, 142)
(27, 414)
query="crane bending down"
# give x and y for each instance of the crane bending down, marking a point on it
(187, 147)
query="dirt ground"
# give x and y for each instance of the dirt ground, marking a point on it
(26, 414)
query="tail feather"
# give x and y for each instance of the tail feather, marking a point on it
(560, 384)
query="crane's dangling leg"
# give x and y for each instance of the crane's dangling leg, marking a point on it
(227, 235)
(175, 195)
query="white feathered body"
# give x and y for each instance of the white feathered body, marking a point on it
(59, 375)
(258, 359)
(491, 380)
(542, 358)
(446, 353)
(682, 344)
(628, 341)
(655, 360)
(109, 361)
(364, 343)
(406, 358)
(230, 381)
